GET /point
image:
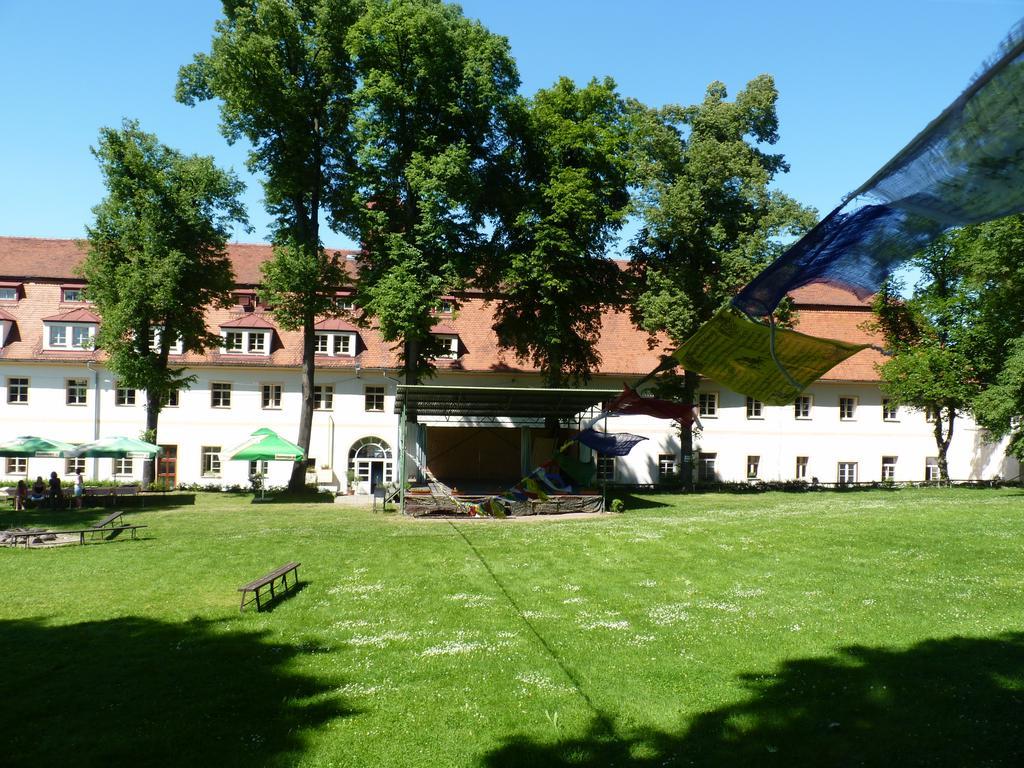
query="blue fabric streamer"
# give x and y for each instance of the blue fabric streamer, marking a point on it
(608, 444)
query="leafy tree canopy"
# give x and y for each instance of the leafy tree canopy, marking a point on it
(430, 117)
(571, 170)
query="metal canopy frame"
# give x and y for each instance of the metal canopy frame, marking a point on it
(487, 404)
(493, 403)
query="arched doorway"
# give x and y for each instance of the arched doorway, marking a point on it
(370, 458)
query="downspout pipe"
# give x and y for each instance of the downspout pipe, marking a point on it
(96, 412)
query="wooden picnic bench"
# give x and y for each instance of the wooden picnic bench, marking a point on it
(110, 493)
(109, 519)
(268, 580)
(28, 536)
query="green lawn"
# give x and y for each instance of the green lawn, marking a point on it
(868, 628)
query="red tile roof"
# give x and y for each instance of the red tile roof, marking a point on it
(42, 264)
(248, 321)
(335, 324)
(80, 315)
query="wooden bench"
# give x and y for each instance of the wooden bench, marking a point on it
(108, 520)
(268, 580)
(27, 537)
(109, 493)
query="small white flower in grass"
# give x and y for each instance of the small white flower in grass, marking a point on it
(574, 600)
(470, 601)
(648, 583)
(868, 601)
(378, 641)
(606, 624)
(671, 613)
(638, 640)
(721, 606)
(452, 648)
(795, 628)
(571, 587)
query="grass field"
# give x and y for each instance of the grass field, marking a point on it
(870, 628)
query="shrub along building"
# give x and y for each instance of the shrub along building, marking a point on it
(53, 383)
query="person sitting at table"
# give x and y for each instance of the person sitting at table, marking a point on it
(38, 490)
(56, 491)
(20, 496)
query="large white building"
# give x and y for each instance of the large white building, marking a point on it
(53, 384)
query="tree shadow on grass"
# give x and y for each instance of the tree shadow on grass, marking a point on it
(134, 691)
(952, 702)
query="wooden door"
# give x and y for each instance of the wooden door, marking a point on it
(167, 467)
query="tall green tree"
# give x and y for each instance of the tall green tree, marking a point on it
(997, 277)
(284, 75)
(570, 175)
(430, 124)
(157, 258)
(932, 337)
(710, 220)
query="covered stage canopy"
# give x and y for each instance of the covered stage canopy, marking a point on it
(493, 403)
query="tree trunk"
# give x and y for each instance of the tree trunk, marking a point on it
(298, 479)
(153, 406)
(942, 441)
(691, 380)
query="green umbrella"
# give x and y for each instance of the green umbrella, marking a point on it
(29, 446)
(114, 448)
(266, 445)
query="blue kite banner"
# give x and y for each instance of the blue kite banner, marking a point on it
(608, 444)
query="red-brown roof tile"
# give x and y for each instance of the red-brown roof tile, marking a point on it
(248, 321)
(80, 315)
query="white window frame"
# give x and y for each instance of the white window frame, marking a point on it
(16, 465)
(69, 334)
(930, 414)
(124, 466)
(72, 295)
(155, 337)
(707, 471)
(931, 469)
(276, 393)
(124, 397)
(373, 392)
(802, 463)
(450, 342)
(890, 411)
(8, 293)
(802, 407)
(74, 466)
(853, 403)
(753, 467)
(668, 466)
(247, 343)
(258, 467)
(323, 397)
(210, 465)
(843, 470)
(220, 391)
(889, 468)
(335, 343)
(707, 405)
(76, 392)
(755, 409)
(21, 388)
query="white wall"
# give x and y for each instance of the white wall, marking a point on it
(778, 438)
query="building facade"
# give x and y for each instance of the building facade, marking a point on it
(53, 383)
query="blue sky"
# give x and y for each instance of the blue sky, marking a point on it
(856, 80)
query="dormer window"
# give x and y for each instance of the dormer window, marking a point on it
(445, 307)
(247, 335)
(336, 337)
(6, 324)
(11, 291)
(345, 303)
(74, 330)
(70, 294)
(336, 344)
(155, 332)
(246, 300)
(247, 342)
(450, 346)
